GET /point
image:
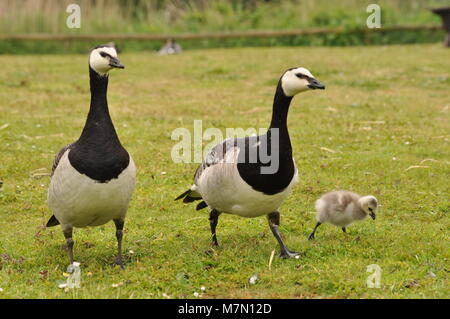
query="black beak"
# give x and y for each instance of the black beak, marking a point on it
(314, 84)
(372, 214)
(115, 63)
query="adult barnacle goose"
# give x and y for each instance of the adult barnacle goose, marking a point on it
(93, 179)
(252, 176)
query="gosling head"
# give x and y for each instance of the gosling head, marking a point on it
(298, 80)
(369, 205)
(104, 58)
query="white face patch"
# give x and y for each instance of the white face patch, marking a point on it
(292, 84)
(369, 202)
(101, 64)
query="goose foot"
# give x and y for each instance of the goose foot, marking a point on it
(69, 241)
(274, 223)
(119, 235)
(213, 221)
(285, 254)
(311, 236)
(119, 263)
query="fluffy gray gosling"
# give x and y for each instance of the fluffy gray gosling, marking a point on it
(342, 208)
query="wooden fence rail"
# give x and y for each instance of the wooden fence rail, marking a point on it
(212, 35)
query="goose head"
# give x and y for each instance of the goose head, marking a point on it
(369, 205)
(298, 80)
(104, 58)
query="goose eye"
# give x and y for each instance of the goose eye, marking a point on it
(103, 54)
(300, 76)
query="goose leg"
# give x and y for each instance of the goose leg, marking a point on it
(274, 223)
(119, 234)
(311, 236)
(344, 229)
(213, 220)
(69, 241)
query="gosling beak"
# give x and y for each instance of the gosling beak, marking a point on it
(115, 63)
(314, 84)
(372, 214)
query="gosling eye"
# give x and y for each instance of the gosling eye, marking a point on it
(370, 208)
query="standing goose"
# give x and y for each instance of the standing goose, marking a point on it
(93, 179)
(252, 176)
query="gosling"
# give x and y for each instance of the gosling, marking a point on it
(342, 208)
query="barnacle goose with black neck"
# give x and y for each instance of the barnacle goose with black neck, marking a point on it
(93, 178)
(233, 180)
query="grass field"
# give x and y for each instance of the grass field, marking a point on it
(385, 109)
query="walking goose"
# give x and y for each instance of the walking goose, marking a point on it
(93, 179)
(252, 176)
(342, 208)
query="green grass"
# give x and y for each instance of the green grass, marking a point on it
(44, 102)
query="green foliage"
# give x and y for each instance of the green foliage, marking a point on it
(168, 17)
(385, 109)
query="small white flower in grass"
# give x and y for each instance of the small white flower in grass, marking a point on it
(62, 285)
(394, 158)
(131, 252)
(163, 173)
(253, 279)
(117, 285)
(196, 294)
(1, 289)
(297, 257)
(202, 288)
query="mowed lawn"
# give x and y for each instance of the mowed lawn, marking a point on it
(381, 127)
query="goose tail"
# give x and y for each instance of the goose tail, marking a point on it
(190, 195)
(52, 222)
(201, 205)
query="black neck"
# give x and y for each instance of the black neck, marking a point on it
(251, 173)
(98, 152)
(280, 111)
(98, 118)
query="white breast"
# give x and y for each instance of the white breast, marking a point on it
(78, 201)
(222, 188)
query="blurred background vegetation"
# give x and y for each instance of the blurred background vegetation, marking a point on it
(192, 16)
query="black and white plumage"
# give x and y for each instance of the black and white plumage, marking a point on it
(93, 178)
(251, 176)
(342, 208)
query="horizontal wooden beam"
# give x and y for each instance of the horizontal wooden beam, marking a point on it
(212, 35)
